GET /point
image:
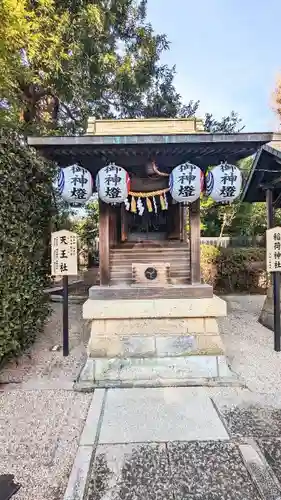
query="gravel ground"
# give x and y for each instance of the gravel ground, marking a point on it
(42, 365)
(41, 418)
(249, 345)
(39, 434)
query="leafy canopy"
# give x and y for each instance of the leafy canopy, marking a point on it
(62, 61)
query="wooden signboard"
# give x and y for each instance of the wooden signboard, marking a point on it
(273, 265)
(273, 250)
(64, 263)
(64, 253)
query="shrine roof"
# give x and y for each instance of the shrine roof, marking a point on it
(133, 151)
(265, 173)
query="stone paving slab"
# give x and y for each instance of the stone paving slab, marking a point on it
(253, 416)
(209, 470)
(170, 471)
(131, 472)
(162, 414)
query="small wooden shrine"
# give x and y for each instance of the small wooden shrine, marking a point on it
(152, 319)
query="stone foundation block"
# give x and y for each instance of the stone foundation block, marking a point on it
(154, 346)
(160, 328)
(211, 326)
(155, 368)
(188, 345)
(209, 344)
(162, 370)
(121, 347)
(104, 347)
(178, 345)
(154, 326)
(157, 372)
(157, 308)
(142, 326)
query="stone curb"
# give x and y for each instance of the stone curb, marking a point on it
(259, 470)
(79, 476)
(84, 386)
(75, 299)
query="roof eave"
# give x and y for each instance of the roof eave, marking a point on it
(49, 141)
(253, 169)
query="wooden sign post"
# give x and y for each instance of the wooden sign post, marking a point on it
(273, 265)
(64, 263)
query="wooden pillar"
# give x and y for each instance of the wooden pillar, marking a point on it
(104, 242)
(174, 222)
(112, 226)
(124, 223)
(183, 223)
(194, 238)
(270, 211)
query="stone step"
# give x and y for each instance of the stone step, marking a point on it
(152, 243)
(135, 292)
(171, 251)
(128, 275)
(127, 281)
(128, 264)
(173, 264)
(163, 372)
(148, 250)
(149, 256)
(147, 259)
(128, 270)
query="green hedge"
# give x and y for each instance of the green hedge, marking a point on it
(25, 215)
(233, 270)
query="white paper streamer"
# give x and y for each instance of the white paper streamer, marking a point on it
(140, 206)
(127, 204)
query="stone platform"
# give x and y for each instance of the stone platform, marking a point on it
(151, 342)
(136, 292)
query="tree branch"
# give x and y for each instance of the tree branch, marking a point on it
(68, 111)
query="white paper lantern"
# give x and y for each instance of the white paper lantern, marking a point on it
(223, 183)
(113, 184)
(75, 184)
(186, 183)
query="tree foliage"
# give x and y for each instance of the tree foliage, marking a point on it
(87, 226)
(232, 270)
(25, 214)
(62, 61)
(228, 124)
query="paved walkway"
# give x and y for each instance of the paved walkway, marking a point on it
(130, 444)
(178, 443)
